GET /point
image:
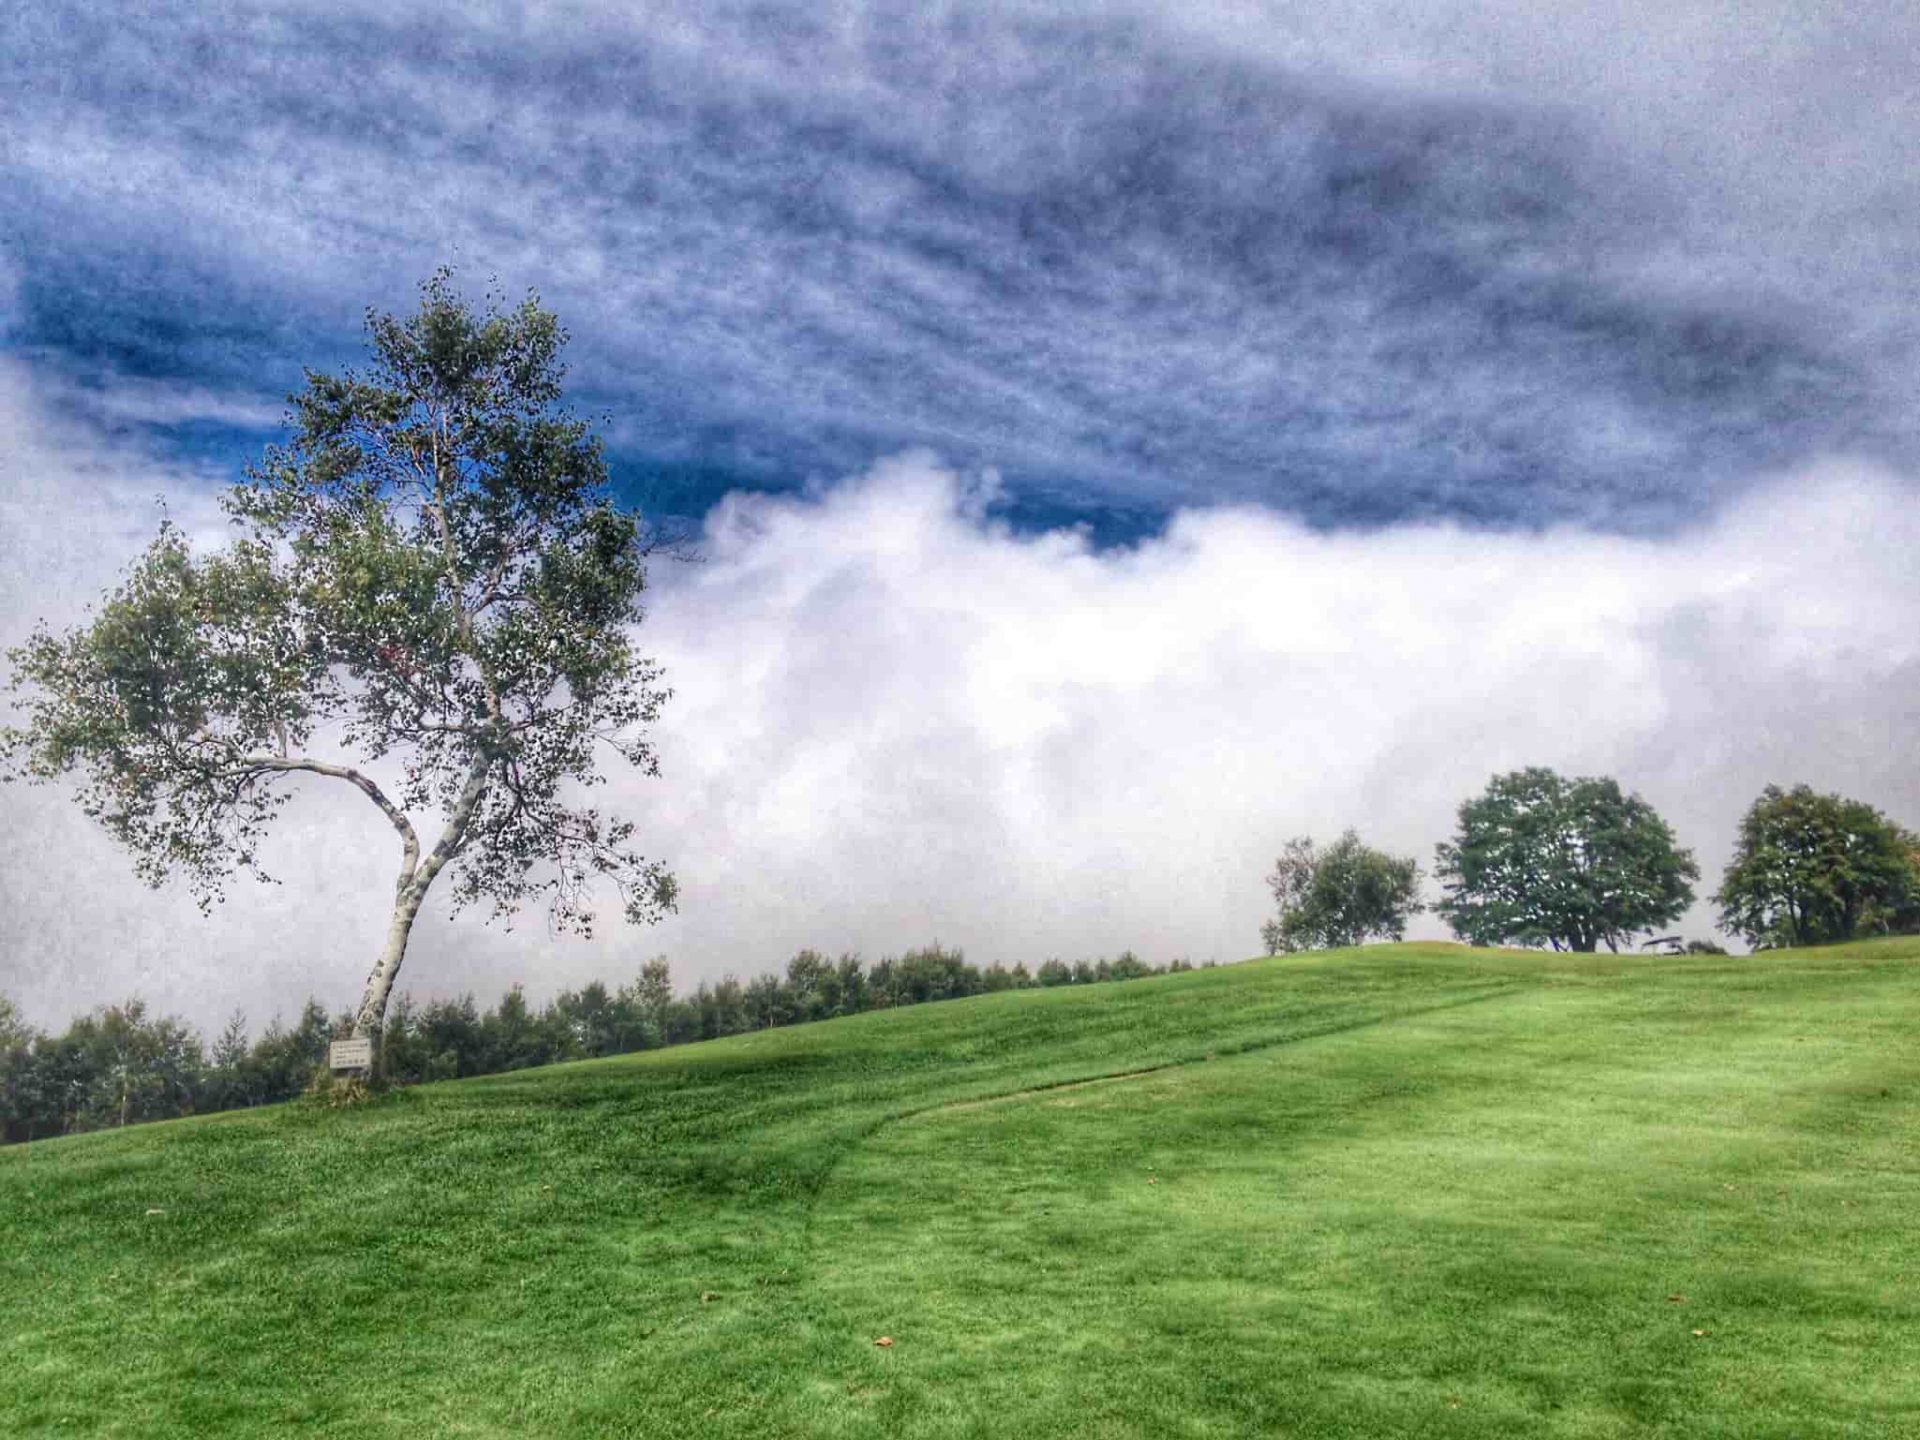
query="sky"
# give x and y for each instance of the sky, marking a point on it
(1118, 438)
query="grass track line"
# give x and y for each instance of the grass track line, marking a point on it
(1226, 1052)
(1230, 1051)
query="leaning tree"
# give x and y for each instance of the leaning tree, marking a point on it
(430, 581)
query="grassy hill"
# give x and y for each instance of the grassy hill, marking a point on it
(1410, 1190)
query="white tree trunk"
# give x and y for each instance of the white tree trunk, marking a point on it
(373, 1000)
(409, 892)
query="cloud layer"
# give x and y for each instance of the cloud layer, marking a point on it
(1485, 263)
(924, 723)
(1331, 408)
(897, 719)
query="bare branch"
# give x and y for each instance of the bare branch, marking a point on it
(454, 834)
(409, 840)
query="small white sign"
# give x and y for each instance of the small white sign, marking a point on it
(356, 1054)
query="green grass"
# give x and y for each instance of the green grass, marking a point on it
(1411, 1190)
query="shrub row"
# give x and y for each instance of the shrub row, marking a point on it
(120, 1065)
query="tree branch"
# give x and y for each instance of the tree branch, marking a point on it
(454, 835)
(463, 617)
(410, 841)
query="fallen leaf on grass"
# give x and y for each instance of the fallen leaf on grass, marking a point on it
(1676, 1299)
(884, 1341)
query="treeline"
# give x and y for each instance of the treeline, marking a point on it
(1540, 859)
(121, 1065)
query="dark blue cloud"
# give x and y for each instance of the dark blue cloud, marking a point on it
(1129, 272)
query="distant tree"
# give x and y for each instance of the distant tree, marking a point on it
(933, 973)
(883, 991)
(226, 1085)
(682, 1023)
(403, 1055)
(1574, 864)
(432, 571)
(764, 1002)
(1811, 868)
(14, 1030)
(512, 1036)
(723, 1007)
(1128, 967)
(120, 1065)
(653, 995)
(811, 986)
(286, 1059)
(597, 1021)
(18, 1092)
(1904, 918)
(450, 1034)
(1345, 894)
(850, 978)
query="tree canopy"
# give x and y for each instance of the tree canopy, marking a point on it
(430, 598)
(1346, 894)
(1811, 868)
(1543, 860)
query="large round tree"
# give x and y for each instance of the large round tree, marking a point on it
(1811, 868)
(1575, 864)
(430, 599)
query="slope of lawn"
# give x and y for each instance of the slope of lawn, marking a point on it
(1409, 1190)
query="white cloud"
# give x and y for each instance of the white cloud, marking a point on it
(895, 720)
(75, 506)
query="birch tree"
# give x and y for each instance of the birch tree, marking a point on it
(430, 582)
(1344, 894)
